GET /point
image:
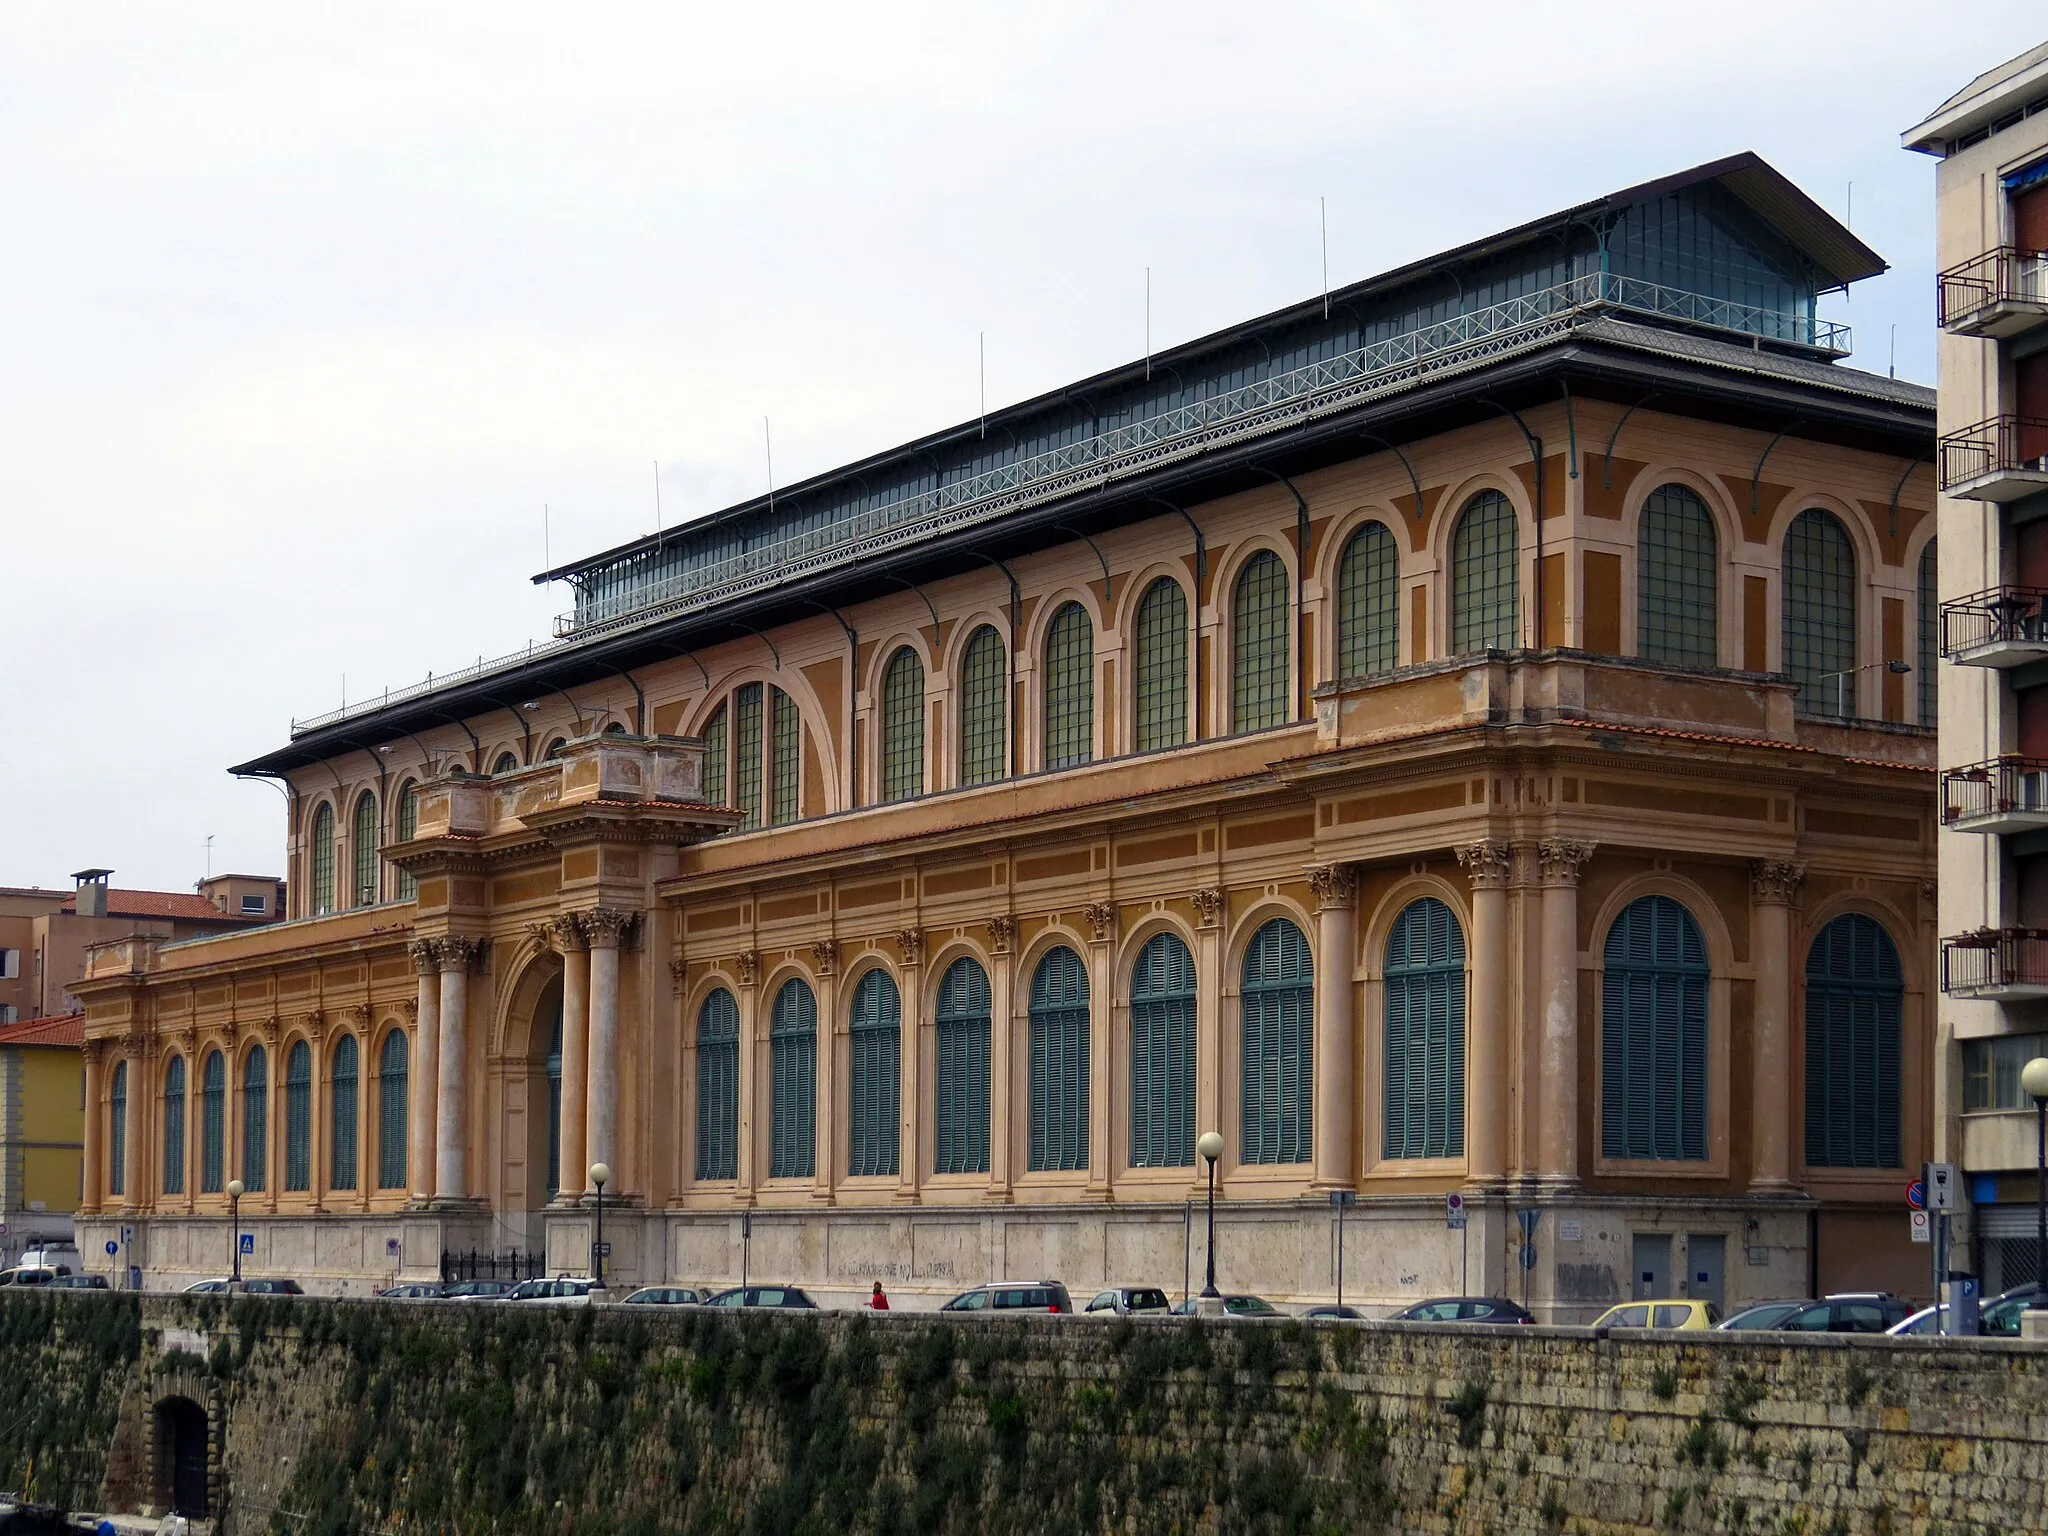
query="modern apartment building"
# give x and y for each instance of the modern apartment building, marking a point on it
(1991, 238)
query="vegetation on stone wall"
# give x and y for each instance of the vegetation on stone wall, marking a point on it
(65, 1359)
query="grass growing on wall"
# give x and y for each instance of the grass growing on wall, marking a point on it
(64, 1362)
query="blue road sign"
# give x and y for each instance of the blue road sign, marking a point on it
(112, 1248)
(248, 1242)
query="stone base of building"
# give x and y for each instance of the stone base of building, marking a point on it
(329, 1255)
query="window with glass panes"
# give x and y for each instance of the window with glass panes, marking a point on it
(363, 849)
(1677, 576)
(298, 1119)
(1930, 620)
(984, 707)
(718, 1087)
(508, 762)
(341, 1094)
(1059, 1062)
(392, 1099)
(1854, 994)
(323, 859)
(1163, 1055)
(1368, 603)
(903, 727)
(1991, 1070)
(256, 1121)
(174, 1127)
(716, 789)
(1161, 701)
(1069, 688)
(213, 1124)
(785, 744)
(746, 754)
(874, 1076)
(408, 829)
(1258, 644)
(551, 1069)
(1423, 1074)
(1819, 594)
(117, 1132)
(1277, 1012)
(793, 1083)
(1653, 1034)
(961, 1097)
(1486, 577)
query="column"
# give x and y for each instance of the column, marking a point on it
(1336, 1027)
(1208, 902)
(1002, 1051)
(425, 1070)
(363, 1021)
(1561, 861)
(188, 1047)
(1101, 1027)
(910, 1035)
(454, 957)
(273, 1077)
(568, 935)
(95, 1128)
(1773, 884)
(603, 929)
(825, 1170)
(747, 971)
(1489, 864)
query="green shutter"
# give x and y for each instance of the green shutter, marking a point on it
(874, 1082)
(1653, 1034)
(117, 1152)
(1854, 993)
(323, 860)
(1423, 1076)
(962, 1092)
(716, 790)
(903, 727)
(1059, 1062)
(1277, 1030)
(1819, 595)
(342, 1096)
(793, 1083)
(1258, 649)
(1930, 620)
(392, 1090)
(256, 1121)
(174, 1127)
(213, 1125)
(1163, 1055)
(364, 850)
(1162, 666)
(718, 1087)
(785, 746)
(1486, 577)
(746, 754)
(1677, 575)
(984, 708)
(1368, 603)
(298, 1119)
(1069, 688)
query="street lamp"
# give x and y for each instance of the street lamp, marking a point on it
(1896, 668)
(600, 1175)
(235, 1206)
(2034, 1083)
(1211, 1148)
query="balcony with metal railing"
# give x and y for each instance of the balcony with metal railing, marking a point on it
(2005, 794)
(1999, 459)
(2000, 965)
(2000, 294)
(1999, 627)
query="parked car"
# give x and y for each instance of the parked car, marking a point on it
(1676, 1312)
(62, 1257)
(1014, 1296)
(1130, 1301)
(1765, 1314)
(478, 1290)
(1997, 1318)
(218, 1287)
(562, 1291)
(271, 1288)
(419, 1291)
(761, 1296)
(1463, 1309)
(1233, 1306)
(39, 1276)
(666, 1296)
(1330, 1309)
(79, 1283)
(1848, 1312)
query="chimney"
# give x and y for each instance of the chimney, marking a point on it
(92, 892)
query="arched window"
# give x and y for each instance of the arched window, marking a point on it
(174, 1127)
(1059, 1062)
(1258, 644)
(984, 707)
(1677, 576)
(1854, 990)
(961, 1100)
(1368, 603)
(1424, 1072)
(1486, 577)
(392, 1101)
(408, 829)
(342, 1126)
(556, 748)
(508, 762)
(323, 859)
(117, 1132)
(616, 728)
(793, 1082)
(1163, 1055)
(746, 754)
(1278, 1021)
(1162, 666)
(1930, 619)
(716, 789)
(718, 1087)
(551, 1068)
(785, 746)
(1069, 688)
(903, 727)
(1820, 614)
(873, 1089)
(213, 1124)
(256, 1121)
(1653, 1034)
(298, 1118)
(363, 848)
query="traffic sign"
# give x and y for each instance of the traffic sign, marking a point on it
(1916, 1196)
(1343, 1199)
(1454, 1213)
(1920, 1226)
(248, 1242)
(600, 1250)
(112, 1248)
(1940, 1181)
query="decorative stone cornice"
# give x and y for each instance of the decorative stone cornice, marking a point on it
(747, 965)
(1488, 864)
(1562, 859)
(608, 927)
(825, 956)
(911, 942)
(1775, 882)
(1208, 905)
(1333, 885)
(1102, 918)
(1002, 932)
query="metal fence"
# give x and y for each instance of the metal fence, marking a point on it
(1995, 960)
(2000, 615)
(1994, 444)
(1997, 787)
(2001, 276)
(473, 1265)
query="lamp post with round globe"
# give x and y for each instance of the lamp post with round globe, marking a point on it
(1211, 1148)
(600, 1175)
(2034, 1083)
(235, 1189)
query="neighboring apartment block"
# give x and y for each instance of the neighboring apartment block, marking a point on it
(1991, 238)
(42, 1126)
(1467, 734)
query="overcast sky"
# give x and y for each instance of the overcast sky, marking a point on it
(307, 312)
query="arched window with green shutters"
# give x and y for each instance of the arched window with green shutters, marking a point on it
(1069, 690)
(962, 1097)
(1653, 1034)
(408, 829)
(1161, 699)
(1258, 644)
(1677, 579)
(1424, 1070)
(322, 853)
(392, 1098)
(256, 1121)
(1059, 1062)
(1486, 577)
(1854, 994)
(746, 754)
(1277, 1024)
(903, 727)
(793, 1082)
(1819, 591)
(1163, 1055)
(213, 1124)
(342, 1088)
(117, 1132)
(717, 790)
(1930, 621)
(785, 748)
(551, 1069)
(718, 1087)
(298, 1119)
(1368, 603)
(174, 1127)
(984, 708)
(874, 1076)
(363, 848)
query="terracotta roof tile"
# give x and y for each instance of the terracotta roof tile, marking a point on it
(63, 1029)
(178, 906)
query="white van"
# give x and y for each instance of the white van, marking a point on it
(46, 1263)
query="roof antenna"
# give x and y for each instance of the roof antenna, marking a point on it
(768, 443)
(1323, 203)
(657, 498)
(1894, 369)
(547, 559)
(1148, 324)
(984, 383)
(1849, 215)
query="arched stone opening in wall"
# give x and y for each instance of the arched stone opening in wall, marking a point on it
(531, 1095)
(181, 1459)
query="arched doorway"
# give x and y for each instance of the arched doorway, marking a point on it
(181, 1457)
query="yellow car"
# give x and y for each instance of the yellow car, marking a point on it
(1688, 1315)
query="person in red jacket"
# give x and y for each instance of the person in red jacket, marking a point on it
(878, 1302)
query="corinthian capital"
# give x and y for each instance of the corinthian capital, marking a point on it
(608, 927)
(825, 956)
(1489, 864)
(1562, 859)
(1102, 919)
(1002, 931)
(1775, 882)
(1334, 885)
(457, 954)
(911, 942)
(421, 952)
(1208, 902)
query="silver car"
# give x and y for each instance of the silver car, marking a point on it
(562, 1291)
(1129, 1301)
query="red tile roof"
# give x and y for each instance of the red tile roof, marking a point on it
(64, 1029)
(177, 906)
